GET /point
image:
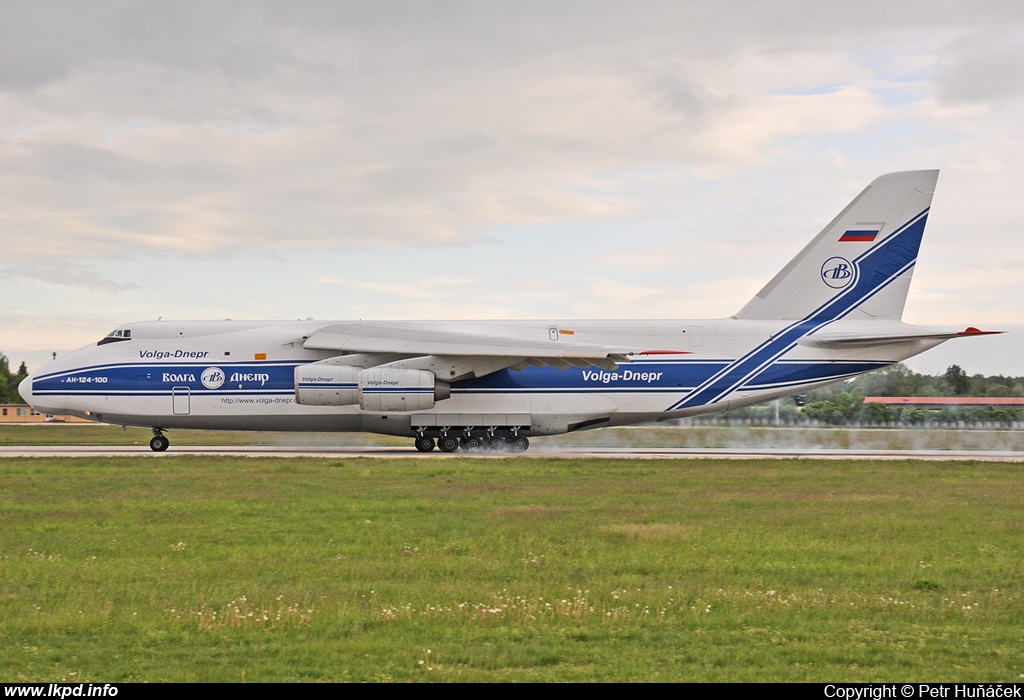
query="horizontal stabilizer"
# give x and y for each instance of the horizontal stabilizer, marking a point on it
(851, 340)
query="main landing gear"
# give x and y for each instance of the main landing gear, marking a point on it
(159, 443)
(474, 443)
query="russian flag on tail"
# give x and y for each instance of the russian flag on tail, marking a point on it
(865, 235)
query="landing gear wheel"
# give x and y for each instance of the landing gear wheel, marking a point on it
(159, 443)
(498, 444)
(520, 443)
(448, 444)
(472, 443)
(425, 444)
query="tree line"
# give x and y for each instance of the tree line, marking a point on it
(843, 403)
(9, 381)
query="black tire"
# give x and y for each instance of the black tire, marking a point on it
(425, 444)
(448, 444)
(472, 443)
(498, 444)
(520, 443)
(159, 443)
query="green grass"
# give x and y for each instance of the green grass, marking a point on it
(642, 436)
(515, 569)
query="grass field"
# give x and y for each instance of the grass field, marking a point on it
(642, 436)
(194, 568)
(40, 434)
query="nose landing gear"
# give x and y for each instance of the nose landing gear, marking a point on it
(159, 443)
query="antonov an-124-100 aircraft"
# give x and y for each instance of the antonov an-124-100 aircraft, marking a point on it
(832, 313)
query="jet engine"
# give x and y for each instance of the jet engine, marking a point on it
(387, 389)
(377, 389)
(321, 384)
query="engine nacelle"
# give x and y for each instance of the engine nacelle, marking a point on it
(321, 384)
(378, 389)
(386, 389)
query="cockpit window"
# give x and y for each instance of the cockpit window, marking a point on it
(116, 336)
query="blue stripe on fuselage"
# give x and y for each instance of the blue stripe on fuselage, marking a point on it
(640, 376)
(632, 376)
(147, 378)
(786, 373)
(674, 377)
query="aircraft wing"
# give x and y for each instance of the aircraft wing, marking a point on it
(849, 340)
(490, 352)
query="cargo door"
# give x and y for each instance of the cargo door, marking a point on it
(181, 401)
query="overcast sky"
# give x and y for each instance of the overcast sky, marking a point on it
(492, 160)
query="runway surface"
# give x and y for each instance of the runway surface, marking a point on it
(560, 452)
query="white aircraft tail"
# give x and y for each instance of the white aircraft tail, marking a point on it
(860, 265)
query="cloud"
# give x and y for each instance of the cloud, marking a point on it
(210, 129)
(986, 69)
(65, 275)
(37, 333)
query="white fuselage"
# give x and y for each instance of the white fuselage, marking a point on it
(160, 376)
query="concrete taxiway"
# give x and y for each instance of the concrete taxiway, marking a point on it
(331, 452)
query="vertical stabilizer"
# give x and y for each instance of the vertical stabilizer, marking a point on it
(861, 263)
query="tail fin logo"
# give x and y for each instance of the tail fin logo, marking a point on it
(837, 272)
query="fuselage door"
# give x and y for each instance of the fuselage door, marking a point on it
(180, 400)
(696, 336)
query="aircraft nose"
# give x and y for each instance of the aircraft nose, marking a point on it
(25, 389)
